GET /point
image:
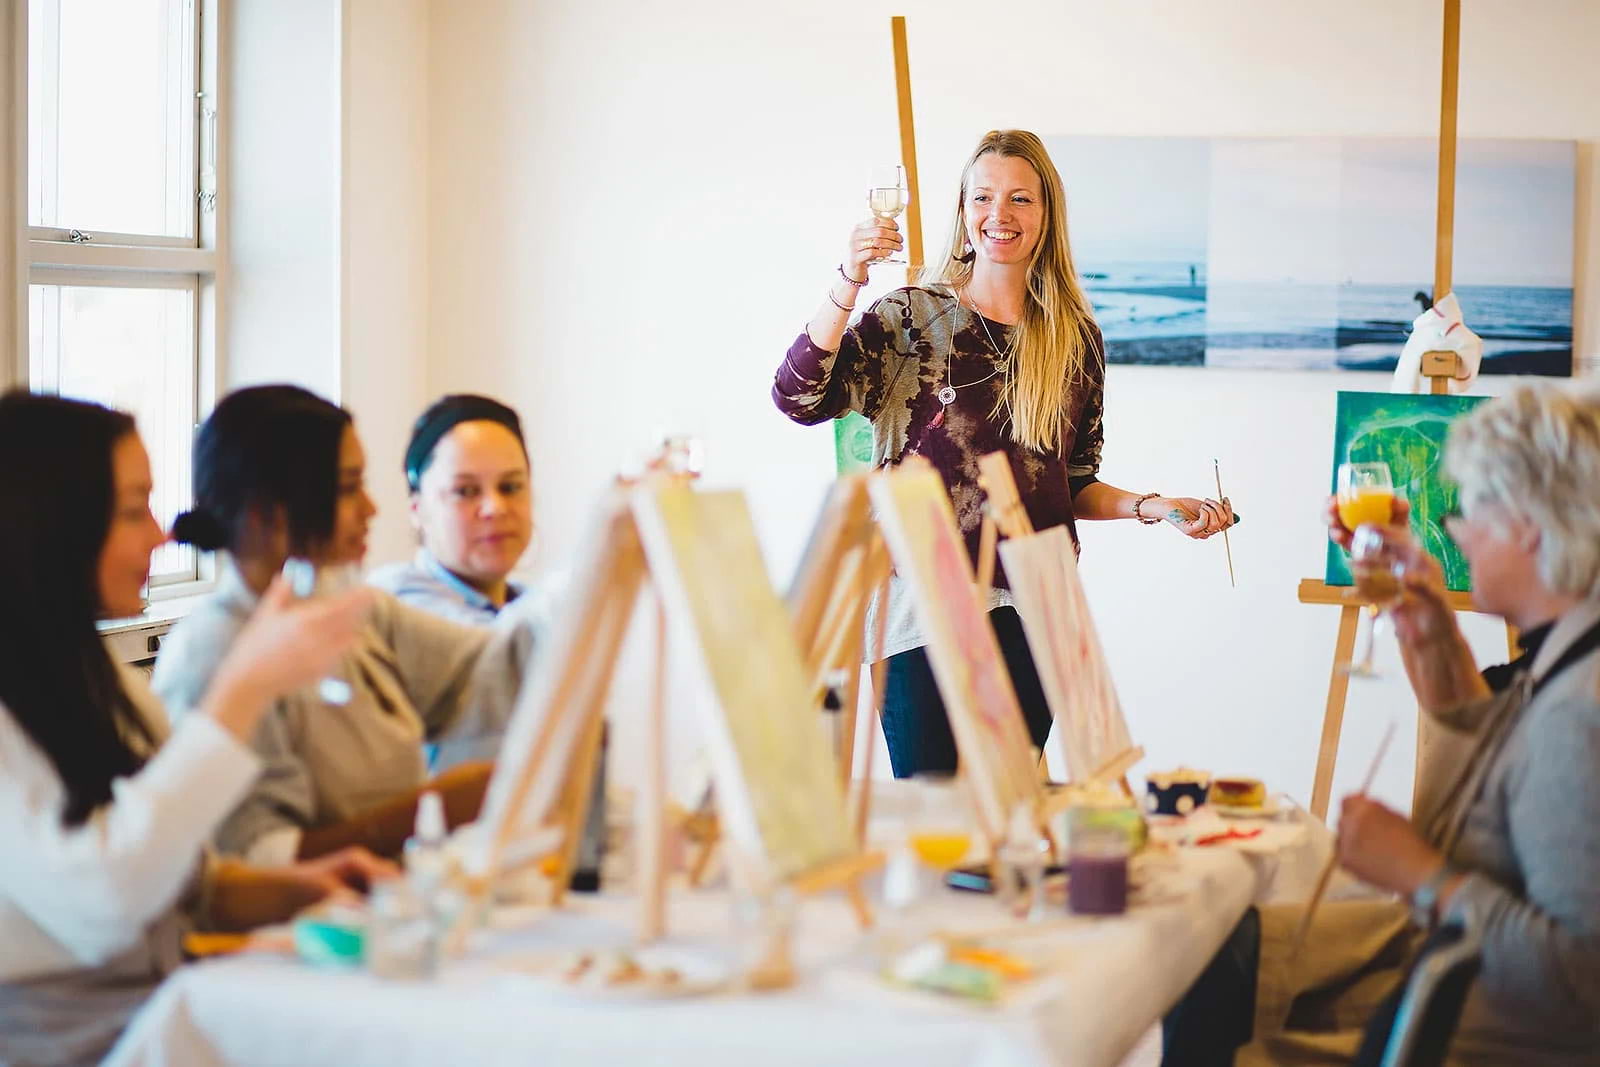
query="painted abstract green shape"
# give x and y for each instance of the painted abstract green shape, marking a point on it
(852, 444)
(1408, 433)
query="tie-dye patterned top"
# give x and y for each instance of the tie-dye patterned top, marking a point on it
(890, 367)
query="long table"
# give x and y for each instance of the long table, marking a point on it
(1113, 978)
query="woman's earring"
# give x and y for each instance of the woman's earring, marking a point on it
(967, 254)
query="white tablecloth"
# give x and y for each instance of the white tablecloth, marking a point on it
(1116, 977)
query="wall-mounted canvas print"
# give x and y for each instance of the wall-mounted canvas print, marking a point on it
(1317, 253)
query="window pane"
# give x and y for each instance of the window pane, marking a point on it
(132, 349)
(111, 115)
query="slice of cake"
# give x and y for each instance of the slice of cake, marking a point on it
(1239, 792)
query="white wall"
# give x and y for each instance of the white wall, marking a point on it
(282, 286)
(632, 209)
(383, 245)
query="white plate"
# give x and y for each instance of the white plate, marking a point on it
(698, 974)
(1271, 808)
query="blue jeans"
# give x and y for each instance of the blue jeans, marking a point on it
(1217, 1016)
(915, 724)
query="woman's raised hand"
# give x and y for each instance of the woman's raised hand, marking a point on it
(1423, 610)
(285, 645)
(870, 241)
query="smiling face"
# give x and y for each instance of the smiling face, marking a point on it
(473, 508)
(1004, 209)
(133, 533)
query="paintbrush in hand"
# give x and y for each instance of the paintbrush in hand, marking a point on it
(1227, 546)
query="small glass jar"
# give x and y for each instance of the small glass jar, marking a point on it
(402, 936)
(1097, 867)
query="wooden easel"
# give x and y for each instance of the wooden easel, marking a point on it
(1005, 515)
(908, 145)
(1439, 368)
(997, 767)
(845, 562)
(657, 532)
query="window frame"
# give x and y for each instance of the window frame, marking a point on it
(49, 255)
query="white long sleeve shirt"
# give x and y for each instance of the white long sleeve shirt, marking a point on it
(81, 897)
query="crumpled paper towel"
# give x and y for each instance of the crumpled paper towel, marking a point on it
(1438, 330)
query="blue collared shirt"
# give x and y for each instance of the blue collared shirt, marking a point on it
(425, 583)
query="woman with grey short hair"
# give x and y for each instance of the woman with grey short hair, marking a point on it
(1505, 836)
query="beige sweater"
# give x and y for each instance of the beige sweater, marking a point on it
(413, 677)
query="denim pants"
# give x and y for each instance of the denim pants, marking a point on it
(915, 725)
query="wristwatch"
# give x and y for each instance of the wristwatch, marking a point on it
(1425, 901)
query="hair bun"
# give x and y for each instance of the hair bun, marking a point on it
(201, 529)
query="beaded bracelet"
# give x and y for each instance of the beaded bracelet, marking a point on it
(841, 307)
(849, 280)
(1139, 514)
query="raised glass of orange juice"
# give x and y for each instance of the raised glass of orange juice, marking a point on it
(1365, 495)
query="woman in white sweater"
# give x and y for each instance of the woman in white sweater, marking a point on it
(103, 813)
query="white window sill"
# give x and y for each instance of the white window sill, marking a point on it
(138, 638)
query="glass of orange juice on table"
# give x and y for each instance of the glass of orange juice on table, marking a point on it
(940, 831)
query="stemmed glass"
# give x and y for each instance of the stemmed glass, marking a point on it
(1378, 580)
(938, 834)
(307, 579)
(887, 196)
(1366, 505)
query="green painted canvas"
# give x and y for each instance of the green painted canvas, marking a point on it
(1408, 433)
(852, 444)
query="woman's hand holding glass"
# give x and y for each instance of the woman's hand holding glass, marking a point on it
(285, 645)
(1420, 608)
(871, 242)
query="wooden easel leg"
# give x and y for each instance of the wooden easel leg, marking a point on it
(858, 903)
(988, 540)
(708, 848)
(652, 853)
(1333, 714)
(850, 698)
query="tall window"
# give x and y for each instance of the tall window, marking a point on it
(120, 235)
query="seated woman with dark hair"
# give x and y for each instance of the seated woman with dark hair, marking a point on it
(103, 814)
(472, 507)
(279, 473)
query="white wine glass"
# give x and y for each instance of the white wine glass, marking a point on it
(888, 196)
(1377, 578)
(307, 579)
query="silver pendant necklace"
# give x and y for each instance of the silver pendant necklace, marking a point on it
(947, 395)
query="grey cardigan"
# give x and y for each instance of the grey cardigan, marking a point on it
(1519, 809)
(414, 677)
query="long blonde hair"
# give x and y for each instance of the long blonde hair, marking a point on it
(1049, 351)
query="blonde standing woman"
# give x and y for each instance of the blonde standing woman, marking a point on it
(999, 351)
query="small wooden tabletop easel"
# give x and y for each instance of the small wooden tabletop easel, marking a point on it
(1439, 368)
(845, 563)
(997, 769)
(1059, 628)
(778, 798)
